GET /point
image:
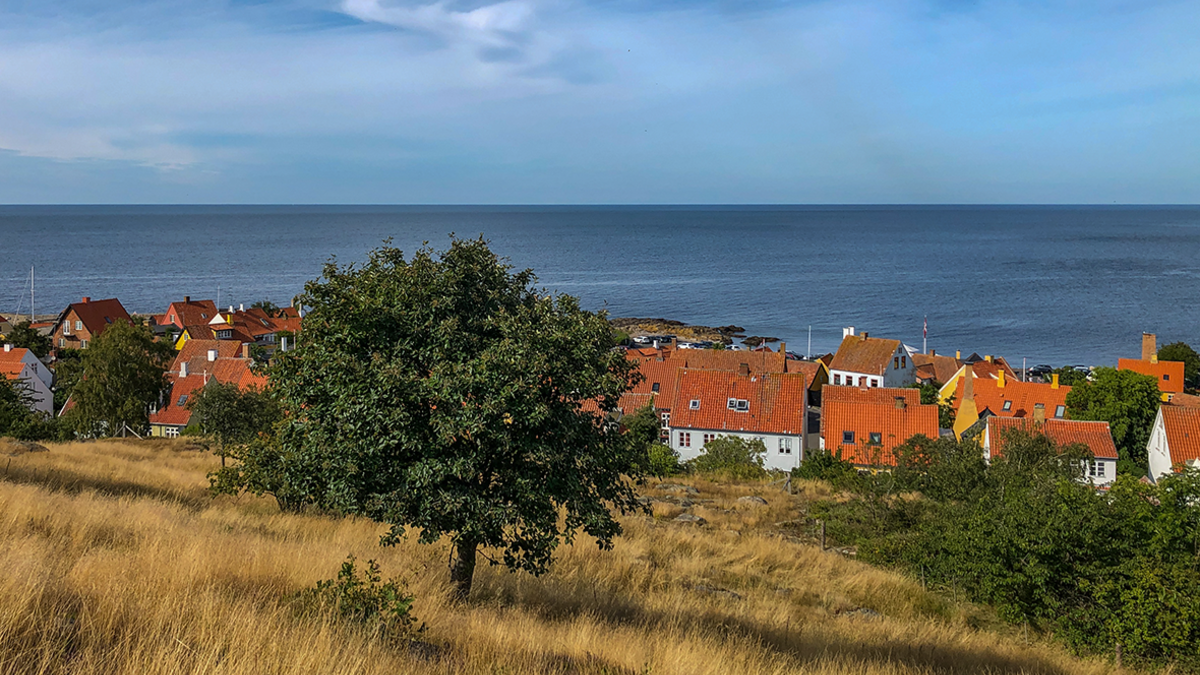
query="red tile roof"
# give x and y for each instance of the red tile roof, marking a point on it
(14, 355)
(195, 353)
(728, 359)
(1182, 425)
(936, 367)
(776, 402)
(1169, 374)
(96, 315)
(874, 410)
(816, 373)
(1095, 435)
(176, 412)
(859, 354)
(989, 395)
(190, 313)
(1186, 400)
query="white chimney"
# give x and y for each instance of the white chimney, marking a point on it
(283, 344)
(241, 306)
(7, 347)
(212, 355)
(847, 331)
(183, 369)
(231, 309)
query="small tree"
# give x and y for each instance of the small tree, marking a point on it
(232, 416)
(25, 335)
(734, 456)
(940, 468)
(931, 395)
(120, 375)
(642, 431)
(1128, 401)
(267, 306)
(444, 393)
(1182, 351)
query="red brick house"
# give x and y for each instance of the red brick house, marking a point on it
(82, 321)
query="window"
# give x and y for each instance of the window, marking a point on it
(182, 400)
(1166, 376)
(895, 363)
(83, 344)
(653, 387)
(875, 382)
(1095, 469)
(171, 319)
(66, 328)
(685, 439)
(171, 432)
(695, 404)
(837, 379)
(666, 419)
(709, 437)
(62, 342)
(785, 446)
(203, 315)
(78, 325)
(743, 405)
(848, 437)
(1008, 405)
(875, 438)
(904, 361)
(1060, 411)
(731, 403)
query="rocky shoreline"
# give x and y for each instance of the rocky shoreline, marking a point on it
(637, 327)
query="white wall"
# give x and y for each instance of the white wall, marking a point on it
(774, 459)
(43, 398)
(1157, 450)
(1108, 467)
(893, 376)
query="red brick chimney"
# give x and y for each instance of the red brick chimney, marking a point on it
(86, 299)
(744, 369)
(1149, 347)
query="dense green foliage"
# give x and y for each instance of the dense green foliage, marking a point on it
(25, 335)
(1182, 351)
(1068, 376)
(445, 395)
(824, 465)
(732, 456)
(1024, 535)
(232, 416)
(662, 461)
(1128, 401)
(17, 419)
(120, 375)
(364, 599)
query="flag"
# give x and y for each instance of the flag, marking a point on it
(925, 331)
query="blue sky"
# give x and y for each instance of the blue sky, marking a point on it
(599, 101)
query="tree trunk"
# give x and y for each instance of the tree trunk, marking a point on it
(462, 568)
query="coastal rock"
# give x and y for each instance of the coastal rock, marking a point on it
(689, 519)
(751, 500)
(14, 448)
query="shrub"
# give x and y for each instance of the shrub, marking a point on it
(365, 600)
(662, 460)
(824, 465)
(732, 456)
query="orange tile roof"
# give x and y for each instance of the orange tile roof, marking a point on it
(989, 395)
(936, 367)
(728, 359)
(11, 370)
(1169, 374)
(777, 402)
(1182, 425)
(1095, 435)
(176, 412)
(859, 354)
(1186, 400)
(96, 315)
(195, 353)
(14, 355)
(874, 410)
(816, 373)
(660, 373)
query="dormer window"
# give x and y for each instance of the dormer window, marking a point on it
(743, 405)
(731, 403)
(695, 404)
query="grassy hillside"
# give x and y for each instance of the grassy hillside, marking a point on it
(114, 559)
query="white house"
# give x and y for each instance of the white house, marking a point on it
(864, 361)
(1174, 440)
(20, 365)
(770, 407)
(1097, 436)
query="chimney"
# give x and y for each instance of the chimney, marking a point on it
(283, 344)
(212, 355)
(900, 403)
(1054, 381)
(933, 352)
(969, 383)
(744, 369)
(958, 355)
(231, 310)
(866, 335)
(183, 369)
(988, 358)
(246, 350)
(187, 299)
(1000, 380)
(241, 306)
(1149, 347)
(86, 299)
(782, 347)
(1039, 412)
(847, 332)
(7, 347)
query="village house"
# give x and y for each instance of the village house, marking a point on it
(864, 361)
(768, 407)
(1168, 374)
(82, 321)
(863, 425)
(1174, 440)
(199, 364)
(934, 368)
(976, 399)
(1100, 471)
(20, 365)
(982, 368)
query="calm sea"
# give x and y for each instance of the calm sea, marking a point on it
(1058, 285)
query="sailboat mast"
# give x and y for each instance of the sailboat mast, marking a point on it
(32, 314)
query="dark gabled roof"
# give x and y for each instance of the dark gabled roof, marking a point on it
(96, 315)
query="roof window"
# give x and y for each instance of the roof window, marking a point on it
(695, 404)
(1007, 405)
(743, 405)
(1060, 411)
(875, 438)
(654, 387)
(182, 400)
(731, 403)
(848, 437)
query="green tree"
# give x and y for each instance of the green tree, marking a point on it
(733, 456)
(267, 306)
(232, 416)
(25, 335)
(445, 394)
(1128, 401)
(120, 374)
(1182, 351)
(940, 468)
(1069, 376)
(931, 395)
(642, 431)
(17, 418)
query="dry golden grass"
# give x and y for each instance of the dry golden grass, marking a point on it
(114, 559)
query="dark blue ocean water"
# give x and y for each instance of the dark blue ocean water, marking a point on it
(1054, 284)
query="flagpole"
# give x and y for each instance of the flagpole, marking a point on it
(925, 337)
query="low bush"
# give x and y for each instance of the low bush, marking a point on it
(733, 457)
(662, 461)
(364, 599)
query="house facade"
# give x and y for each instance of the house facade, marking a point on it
(82, 321)
(18, 364)
(1100, 471)
(863, 425)
(768, 407)
(1174, 440)
(864, 361)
